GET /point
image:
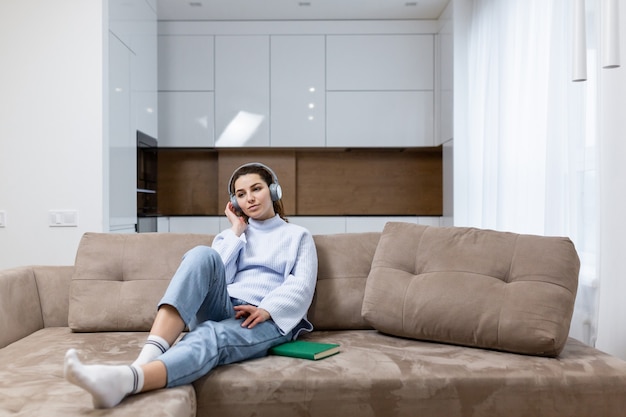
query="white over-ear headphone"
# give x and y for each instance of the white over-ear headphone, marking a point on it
(276, 192)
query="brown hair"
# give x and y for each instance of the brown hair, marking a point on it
(266, 176)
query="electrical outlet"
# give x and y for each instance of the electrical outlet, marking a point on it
(63, 218)
(3, 218)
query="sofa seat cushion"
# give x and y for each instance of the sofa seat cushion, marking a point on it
(473, 287)
(32, 382)
(376, 375)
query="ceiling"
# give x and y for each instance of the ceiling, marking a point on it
(299, 9)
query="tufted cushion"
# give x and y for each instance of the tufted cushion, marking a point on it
(473, 287)
(119, 278)
(344, 262)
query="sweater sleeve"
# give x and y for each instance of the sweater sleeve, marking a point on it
(228, 245)
(289, 303)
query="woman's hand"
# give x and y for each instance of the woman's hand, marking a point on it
(254, 315)
(238, 223)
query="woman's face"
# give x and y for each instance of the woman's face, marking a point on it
(253, 196)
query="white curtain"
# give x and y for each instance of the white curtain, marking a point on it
(531, 133)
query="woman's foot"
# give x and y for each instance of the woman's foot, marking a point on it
(107, 384)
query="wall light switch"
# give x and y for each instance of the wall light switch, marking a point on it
(63, 218)
(3, 218)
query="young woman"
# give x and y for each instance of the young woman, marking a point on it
(248, 292)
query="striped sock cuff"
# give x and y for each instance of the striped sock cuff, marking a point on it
(159, 342)
(137, 379)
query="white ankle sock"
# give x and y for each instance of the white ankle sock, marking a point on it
(154, 347)
(107, 384)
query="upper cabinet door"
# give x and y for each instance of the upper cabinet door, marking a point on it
(446, 85)
(380, 90)
(185, 63)
(144, 77)
(186, 98)
(242, 91)
(380, 119)
(380, 62)
(298, 91)
(122, 167)
(186, 119)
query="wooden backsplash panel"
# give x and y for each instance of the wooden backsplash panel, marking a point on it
(282, 162)
(330, 182)
(370, 182)
(187, 182)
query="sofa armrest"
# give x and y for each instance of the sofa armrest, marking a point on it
(53, 285)
(20, 309)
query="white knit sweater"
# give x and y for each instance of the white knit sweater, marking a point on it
(272, 265)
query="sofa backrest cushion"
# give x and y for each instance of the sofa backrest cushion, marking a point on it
(344, 262)
(473, 287)
(119, 278)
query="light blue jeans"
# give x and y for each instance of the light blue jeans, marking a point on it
(198, 291)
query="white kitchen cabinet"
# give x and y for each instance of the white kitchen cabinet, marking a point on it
(360, 224)
(317, 225)
(185, 63)
(321, 225)
(132, 103)
(379, 118)
(298, 91)
(144, 45)
(134, 23)
(380, 62)
(122, 143)
(147, 110)
(163, 224)
(144, 76)
(186, 119)
(328, 225)
(125, 15)
(194, 224)
(363, 224)
(446, 83)
(242, 91)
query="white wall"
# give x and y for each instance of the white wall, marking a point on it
(612, 318)
(51, 126)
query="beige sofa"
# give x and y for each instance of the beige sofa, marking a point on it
(431, 321)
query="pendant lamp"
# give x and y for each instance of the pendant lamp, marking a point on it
(579, 45)
(610, 34)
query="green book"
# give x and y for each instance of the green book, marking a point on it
(305, 350)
